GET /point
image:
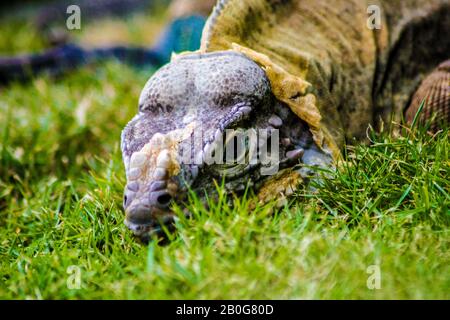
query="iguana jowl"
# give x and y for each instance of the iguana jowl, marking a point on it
(310, 68)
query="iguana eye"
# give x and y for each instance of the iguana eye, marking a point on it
(237, 154)
(234, 149)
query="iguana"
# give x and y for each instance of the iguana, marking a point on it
(311, 70)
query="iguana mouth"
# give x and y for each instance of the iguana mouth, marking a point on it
(148, 227)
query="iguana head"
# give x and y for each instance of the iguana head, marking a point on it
(202, 118)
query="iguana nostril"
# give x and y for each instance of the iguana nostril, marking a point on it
(161, 199)
(125, 198)
(128, 197)
(164, 199)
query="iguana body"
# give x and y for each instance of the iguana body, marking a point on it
(358, 74)
(309, 68)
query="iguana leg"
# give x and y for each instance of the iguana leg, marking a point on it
(434, 92)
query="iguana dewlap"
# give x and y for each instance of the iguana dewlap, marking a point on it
(307, 73)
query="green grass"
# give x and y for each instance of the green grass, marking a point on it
(61, 180)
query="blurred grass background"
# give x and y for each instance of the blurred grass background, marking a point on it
(61, 181)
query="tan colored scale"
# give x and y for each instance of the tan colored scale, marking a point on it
(158, 155)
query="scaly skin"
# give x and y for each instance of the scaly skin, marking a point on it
(314, 71)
